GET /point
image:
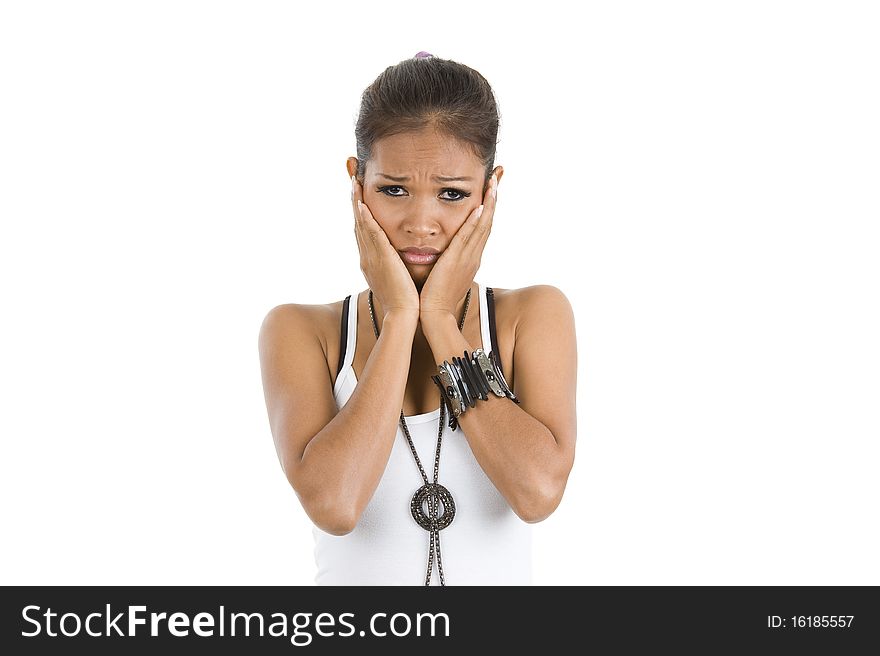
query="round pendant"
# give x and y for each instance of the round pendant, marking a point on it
(436, 495)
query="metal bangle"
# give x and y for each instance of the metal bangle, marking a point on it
(444, 397)
(487, 369)
(451, 389)
(480, 373)
(459, 406)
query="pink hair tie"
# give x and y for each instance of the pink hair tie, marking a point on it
(422, 54)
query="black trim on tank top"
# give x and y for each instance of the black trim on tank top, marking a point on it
(343, 342)
(490, 306)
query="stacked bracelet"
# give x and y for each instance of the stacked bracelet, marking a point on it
(465, 380)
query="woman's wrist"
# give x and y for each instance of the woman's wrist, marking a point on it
(435, 315)
(401, 317)
(436, 321)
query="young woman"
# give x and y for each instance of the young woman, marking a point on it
(427, 405)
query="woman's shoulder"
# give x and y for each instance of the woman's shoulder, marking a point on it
(514, 303)
(525, 294)
(292, 312)
(303, 321)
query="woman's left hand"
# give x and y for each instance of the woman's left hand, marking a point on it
(453, 274)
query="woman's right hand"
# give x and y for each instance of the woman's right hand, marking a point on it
(383, 268)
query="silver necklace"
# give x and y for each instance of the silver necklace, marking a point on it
(431, 494)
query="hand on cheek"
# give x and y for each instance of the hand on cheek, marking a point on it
(453, 273)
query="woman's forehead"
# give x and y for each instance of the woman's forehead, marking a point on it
(421, 154)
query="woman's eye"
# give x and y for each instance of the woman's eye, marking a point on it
(459, 195)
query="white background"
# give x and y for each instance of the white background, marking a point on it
(699, 178)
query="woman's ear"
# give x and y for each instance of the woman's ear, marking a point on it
(351, 164)
(498, 171)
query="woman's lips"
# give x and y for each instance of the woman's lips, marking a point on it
(414, 257)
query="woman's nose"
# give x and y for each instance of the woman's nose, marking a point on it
(420, 228)
(422, 219)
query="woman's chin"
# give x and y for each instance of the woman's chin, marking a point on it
(419, 274)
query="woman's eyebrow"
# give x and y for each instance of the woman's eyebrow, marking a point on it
(439, 178)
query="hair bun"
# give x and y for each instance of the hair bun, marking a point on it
(421, 54)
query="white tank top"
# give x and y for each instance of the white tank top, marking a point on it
(486, 543)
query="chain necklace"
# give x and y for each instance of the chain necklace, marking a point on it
(434, 494)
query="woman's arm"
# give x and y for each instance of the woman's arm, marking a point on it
(527, 450)
(333, 460)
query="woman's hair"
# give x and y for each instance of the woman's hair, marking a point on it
(429, 92)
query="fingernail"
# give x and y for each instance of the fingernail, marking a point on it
(494, 185)
(479, 211)
(353, 186)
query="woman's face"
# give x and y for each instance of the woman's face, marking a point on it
(404, 189)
